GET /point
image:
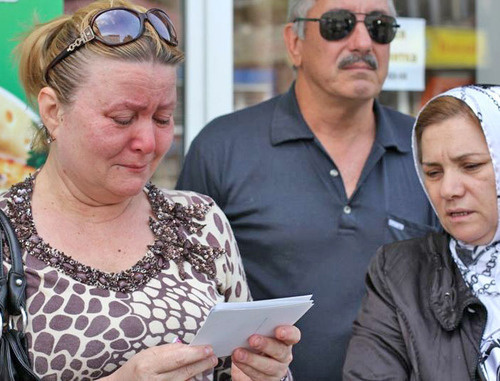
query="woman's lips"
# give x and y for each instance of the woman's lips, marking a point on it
(135, 167)
(459, 214)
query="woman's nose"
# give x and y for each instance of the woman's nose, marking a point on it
(144, 137)
(451, 186)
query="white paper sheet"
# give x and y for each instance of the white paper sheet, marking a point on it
(229, 325)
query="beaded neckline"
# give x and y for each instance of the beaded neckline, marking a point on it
(170, 226)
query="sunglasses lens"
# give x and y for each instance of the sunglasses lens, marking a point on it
(163, 25)
(335, 25)
(117, 26)
(381, 28)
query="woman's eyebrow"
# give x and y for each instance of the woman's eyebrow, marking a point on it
(459, 157)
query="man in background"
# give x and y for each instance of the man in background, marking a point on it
(315, 180)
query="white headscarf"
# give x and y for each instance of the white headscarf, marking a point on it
(480, 265)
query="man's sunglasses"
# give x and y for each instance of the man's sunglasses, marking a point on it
(119, 26)
(338, 24)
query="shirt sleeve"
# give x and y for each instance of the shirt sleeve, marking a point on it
(201, 170)
(377, 349)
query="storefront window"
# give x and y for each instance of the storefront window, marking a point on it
(453, 49)
(261, 68)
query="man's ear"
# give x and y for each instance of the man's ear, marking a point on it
(50, 110)
(293, 45)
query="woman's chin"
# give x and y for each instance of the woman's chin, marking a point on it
(473, 239)
(128, 188)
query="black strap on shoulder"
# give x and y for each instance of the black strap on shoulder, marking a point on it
(12, 286)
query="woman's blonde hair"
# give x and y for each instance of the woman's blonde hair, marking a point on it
(42, 44)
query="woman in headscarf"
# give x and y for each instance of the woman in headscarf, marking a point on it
(432, 308)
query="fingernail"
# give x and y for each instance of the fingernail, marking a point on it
(208, 350)
(241, 355)
(257, 341)
(281, 334)
(214, 360)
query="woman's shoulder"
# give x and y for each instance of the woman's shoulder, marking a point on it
(197, 205)
(186, 198)
(412, 253)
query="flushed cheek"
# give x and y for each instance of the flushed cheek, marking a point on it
(164, 141)
(104, 141)
(109, 153)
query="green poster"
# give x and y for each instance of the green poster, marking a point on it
(16, 17)
(16, 119)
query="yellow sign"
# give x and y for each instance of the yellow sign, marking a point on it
(454, 48)
(17, 123)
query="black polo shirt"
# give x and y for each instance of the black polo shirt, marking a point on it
(297, 231)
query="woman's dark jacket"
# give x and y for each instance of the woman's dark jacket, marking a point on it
(418, 320)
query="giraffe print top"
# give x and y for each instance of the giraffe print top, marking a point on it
(85, 323)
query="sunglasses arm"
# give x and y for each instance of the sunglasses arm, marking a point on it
(305, 19)
(86, 36)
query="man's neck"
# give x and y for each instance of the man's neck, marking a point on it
(345, 127)
(334, 116)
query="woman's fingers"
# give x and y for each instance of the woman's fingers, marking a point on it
(271, 361)
(170, 357)
(237, 374)
(258, 367)
(288, 334)
(270, 356)
(279, 348)
(173, 362)
(186, 372)
(272, 348)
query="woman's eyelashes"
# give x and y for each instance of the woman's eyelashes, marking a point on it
(123, 121)
(162, 121)
(433, 172)
(471, 167)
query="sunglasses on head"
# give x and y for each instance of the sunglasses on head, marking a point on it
(119, 26)
(338, 24)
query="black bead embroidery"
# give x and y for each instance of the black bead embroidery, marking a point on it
(172, 223)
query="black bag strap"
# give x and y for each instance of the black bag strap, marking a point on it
(12, 286)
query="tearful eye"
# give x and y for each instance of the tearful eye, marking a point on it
(122, 118)
(163, 121)
(122, 121)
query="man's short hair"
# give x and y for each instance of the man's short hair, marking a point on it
(299, 8)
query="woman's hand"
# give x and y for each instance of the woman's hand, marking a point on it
(273, 357)
(172, 362)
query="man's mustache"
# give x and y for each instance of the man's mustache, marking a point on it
(369, 59)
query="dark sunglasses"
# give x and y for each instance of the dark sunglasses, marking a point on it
(338, 24)
(119, 26)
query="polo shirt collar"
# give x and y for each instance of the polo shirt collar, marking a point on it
(288, 124)
(389, 134)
